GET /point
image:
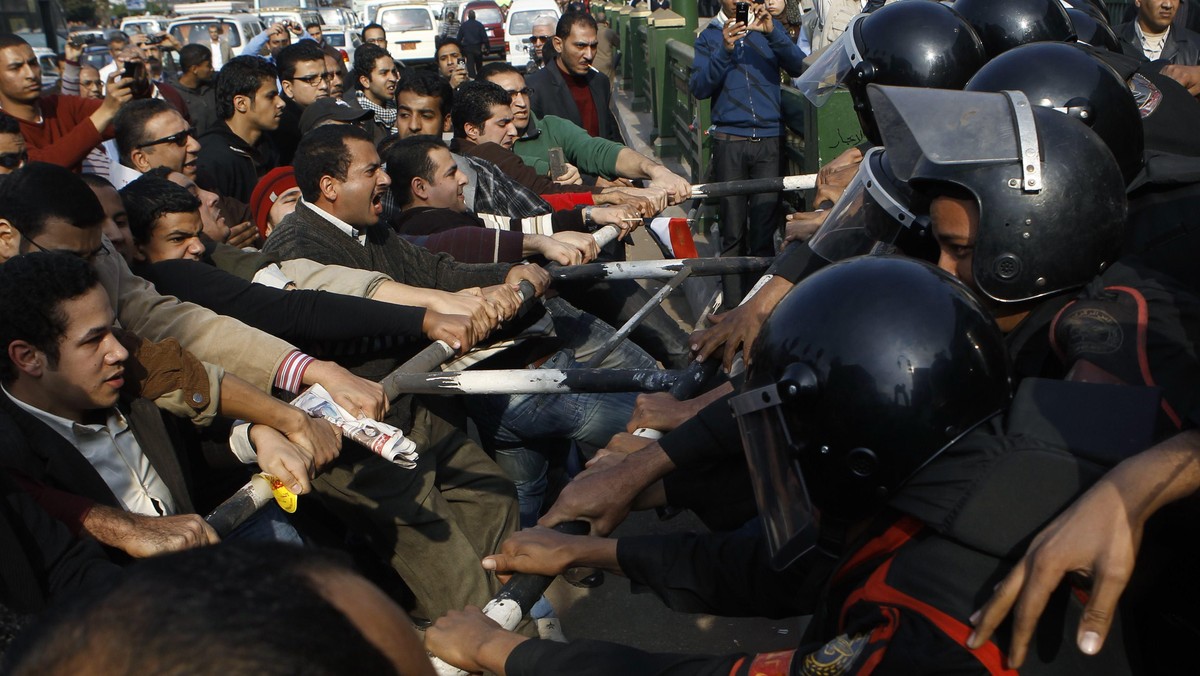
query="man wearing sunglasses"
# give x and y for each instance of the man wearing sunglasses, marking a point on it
(150, 133)
(304, 79)
(543, 31)
(13, 155)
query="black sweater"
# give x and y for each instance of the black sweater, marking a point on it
(320, 322)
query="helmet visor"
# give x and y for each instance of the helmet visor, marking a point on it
(829, 71)
(867, 218)
(923, 127)
(772, 455)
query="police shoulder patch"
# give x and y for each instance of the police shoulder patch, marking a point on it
(1146, 93)
(834, 658)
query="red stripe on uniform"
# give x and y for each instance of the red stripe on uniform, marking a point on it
(1143, 322)
(878, 591)
(882, 635)
(889, 541)
(772, 664)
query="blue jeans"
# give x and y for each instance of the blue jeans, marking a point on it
(269, 524)
(522, 430)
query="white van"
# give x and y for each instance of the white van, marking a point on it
(411, 31)
(239, 28)
(519, 26)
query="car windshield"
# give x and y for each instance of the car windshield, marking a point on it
(146, 27)
(522, 22)
(196, 32)
(487, 15)
(332, 16)
(335, 39)
(49, 65)
(96, 56)
(269, 19)
(406, 19)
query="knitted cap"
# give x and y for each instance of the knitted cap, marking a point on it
(270, 187)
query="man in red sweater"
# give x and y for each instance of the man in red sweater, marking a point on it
(61, 130)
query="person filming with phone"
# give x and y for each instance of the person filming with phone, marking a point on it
(738, 59)
(58, 129)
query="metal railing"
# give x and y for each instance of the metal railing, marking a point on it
(690, 118)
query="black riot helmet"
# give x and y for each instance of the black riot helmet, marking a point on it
(1095, 8)
(1004, 24)
(905, 44)
(864, 372)
(1050, 195)
(1092, 31)
(1068, 79)
(877, 213)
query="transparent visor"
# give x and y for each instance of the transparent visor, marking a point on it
(787, 512)
(866, 219)
(945, 128)
(829, 71)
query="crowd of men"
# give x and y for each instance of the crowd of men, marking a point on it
(954, 422)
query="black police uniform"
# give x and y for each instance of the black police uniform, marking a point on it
(898, 601)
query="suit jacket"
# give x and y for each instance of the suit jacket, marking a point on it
(29, 446)
(552, 97)
(1182, 46)
(226, 51)
(42, 560)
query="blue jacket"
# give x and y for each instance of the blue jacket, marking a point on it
(744, 84)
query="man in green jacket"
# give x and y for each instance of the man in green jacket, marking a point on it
(590, 155)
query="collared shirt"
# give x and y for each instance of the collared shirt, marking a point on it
(118, 174)
(114, 452)
(218, 56)
(1152, 43)
(345, 227)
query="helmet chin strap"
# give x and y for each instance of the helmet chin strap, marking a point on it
(1031, 160)
(834, 535)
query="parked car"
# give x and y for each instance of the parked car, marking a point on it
(147, 24)
(487, 13)
(97, 56)
(345, 39)
(520, 27)
(339, 16)
(48, 60)
(411, 31)
(239, 28)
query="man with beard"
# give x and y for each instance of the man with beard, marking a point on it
(569, 87)
(376, 75)
(450, 62)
